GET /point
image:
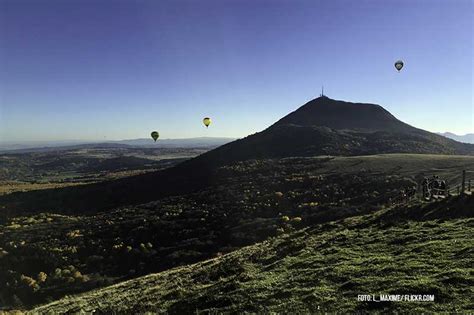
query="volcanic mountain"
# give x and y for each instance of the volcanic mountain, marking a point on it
(326, 126)
(322, 126)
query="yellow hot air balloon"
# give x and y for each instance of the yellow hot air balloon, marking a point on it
(206, 121)
(155, 135)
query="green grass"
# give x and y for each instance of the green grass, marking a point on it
(239, 205)
(320, 268)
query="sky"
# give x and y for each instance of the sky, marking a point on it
(113, 69)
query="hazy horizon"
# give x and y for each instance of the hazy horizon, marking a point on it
(114, 140)
(117, 69)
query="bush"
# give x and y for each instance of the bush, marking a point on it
(280, 231)
(74, 234)
(296, 219)
(30, 282)
(278, 194)
(57, 273)
(42, 276)
(77, 274)
(3, 253)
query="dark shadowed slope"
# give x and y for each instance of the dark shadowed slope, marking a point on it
(321, 127)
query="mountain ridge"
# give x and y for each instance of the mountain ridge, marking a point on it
(8, 147)
(467, 138)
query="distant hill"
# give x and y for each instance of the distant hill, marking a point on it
(21, 145)
(178, 143)
(37, 146)
(467, 138)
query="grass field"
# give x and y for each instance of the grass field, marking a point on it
(321, 268)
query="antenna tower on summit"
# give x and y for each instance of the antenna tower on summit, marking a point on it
(322, 90)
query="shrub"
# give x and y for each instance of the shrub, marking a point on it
(42, 276)
(57, 273)
(77, 274)
(278, 194)
(83, 278)
(118, 246)
(143, 248)
(296, 219)
(30, 282)
(74, 234)
(70, 280)
(3, 253)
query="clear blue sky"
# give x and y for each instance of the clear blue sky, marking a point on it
(119, 69)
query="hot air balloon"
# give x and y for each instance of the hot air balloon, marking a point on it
(399, 65)
(155, 135)
(206, 121)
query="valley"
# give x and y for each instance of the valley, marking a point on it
(50, 168)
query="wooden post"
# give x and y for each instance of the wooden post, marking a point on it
(463, 189)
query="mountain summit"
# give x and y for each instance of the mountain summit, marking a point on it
(341, 115)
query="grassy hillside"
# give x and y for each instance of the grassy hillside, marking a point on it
(244, 203)
(320, 268)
